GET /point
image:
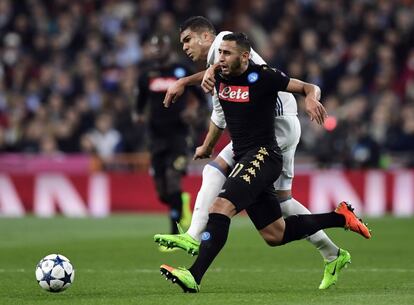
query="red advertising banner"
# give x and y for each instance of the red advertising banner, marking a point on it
(373, 193)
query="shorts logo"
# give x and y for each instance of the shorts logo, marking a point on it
(205, 236)
(236, 94)
(252, 77)
(250, 172)
(246, 178)
(255, 164)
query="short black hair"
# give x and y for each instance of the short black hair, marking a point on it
(241, 39)
(197, 23)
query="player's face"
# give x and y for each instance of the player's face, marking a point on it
(159, 47)
(231, 59)
(195, 45)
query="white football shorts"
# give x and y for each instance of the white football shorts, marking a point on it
(287, 131)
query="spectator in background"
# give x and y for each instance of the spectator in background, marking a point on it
(103, 139)
(48, 146)
(93, 51)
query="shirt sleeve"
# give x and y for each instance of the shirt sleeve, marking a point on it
(276, 80)
(217, 115)
(256, 58)
(213, 53)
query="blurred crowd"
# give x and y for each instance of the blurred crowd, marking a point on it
(69, 71)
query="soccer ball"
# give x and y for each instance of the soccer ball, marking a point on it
(55, 273)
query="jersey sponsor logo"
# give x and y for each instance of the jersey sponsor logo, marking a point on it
(236, 94)
(252, 77)
(161, 84)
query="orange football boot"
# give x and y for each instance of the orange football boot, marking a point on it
(352, 222)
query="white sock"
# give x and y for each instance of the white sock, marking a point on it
(211, 185)
(320, 240)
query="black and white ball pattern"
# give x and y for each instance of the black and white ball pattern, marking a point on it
(55, 273)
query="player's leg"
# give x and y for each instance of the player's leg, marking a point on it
(290, 206)
(259, 167)
(335, 259)
(214, 175)
(160, 177)
(213, 240)
(176, 160)
(287, 131)
(282, 231)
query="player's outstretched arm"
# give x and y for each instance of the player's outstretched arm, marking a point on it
(205, 150)
(177, 89)
(312, 93)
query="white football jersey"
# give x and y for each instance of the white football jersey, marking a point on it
(285, 104)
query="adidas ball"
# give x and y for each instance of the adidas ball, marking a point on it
(55, 273)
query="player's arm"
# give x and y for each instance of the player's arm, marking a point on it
(215, 130)
(177, 89)
(312, 93)
(206, 149)
(141, 100)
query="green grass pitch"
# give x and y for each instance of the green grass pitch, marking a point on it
(117, 262)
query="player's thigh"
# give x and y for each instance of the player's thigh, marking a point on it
(284, 182)
(158, 163)
(255, 171)
(227, 155)
(287, 130)
(265, 210)
(177, 153)
(158, 172)
(176, 160)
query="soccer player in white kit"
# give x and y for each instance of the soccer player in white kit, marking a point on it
(200, 43)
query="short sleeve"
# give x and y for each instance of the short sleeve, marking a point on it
(256, 58)
(217, 115)
(278, 80)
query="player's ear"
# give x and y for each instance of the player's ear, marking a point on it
(206, 35)
(245, 56)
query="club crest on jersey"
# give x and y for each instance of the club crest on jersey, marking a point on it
(252, 77)
(236, 94)
(161, 84)
(179, 72)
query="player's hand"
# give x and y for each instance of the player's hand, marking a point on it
(209, 80)
(173, 93)
(202, 152)
(315, 110)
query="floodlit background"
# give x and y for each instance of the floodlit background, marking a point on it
(66, 66)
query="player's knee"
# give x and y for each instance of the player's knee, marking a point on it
(217, 164)
(273, 233)
(283, 195)
(273, 242)
(223, 206)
